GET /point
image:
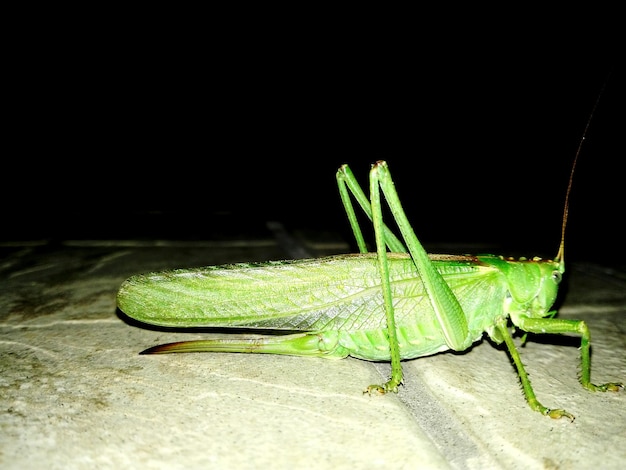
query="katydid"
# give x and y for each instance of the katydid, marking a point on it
(396, 304)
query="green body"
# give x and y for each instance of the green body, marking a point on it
(398, 303)
(339, 298)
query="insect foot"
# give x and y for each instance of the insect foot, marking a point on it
(558, 414)
(390, 386)
(379, 389)
(610, 387)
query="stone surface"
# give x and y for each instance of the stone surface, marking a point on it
(75, 393)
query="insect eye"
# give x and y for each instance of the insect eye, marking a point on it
(556, 276)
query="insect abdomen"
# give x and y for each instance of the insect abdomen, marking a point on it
(373, 345)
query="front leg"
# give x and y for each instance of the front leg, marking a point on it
(560, 326)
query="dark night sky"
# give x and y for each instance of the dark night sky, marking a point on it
(156, 140)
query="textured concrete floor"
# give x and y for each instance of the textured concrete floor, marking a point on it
(75, 393)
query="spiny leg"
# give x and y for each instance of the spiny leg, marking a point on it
(447, 309)
(347, 184)
(559, 326)
(501, 325)
(446, 306)
(383, 266)
(346, 181)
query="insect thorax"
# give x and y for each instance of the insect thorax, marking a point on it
(532, 284)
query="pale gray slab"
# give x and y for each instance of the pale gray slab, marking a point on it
(74, 393)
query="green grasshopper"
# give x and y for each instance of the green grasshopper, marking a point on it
(385, 306)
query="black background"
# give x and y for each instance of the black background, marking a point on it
(195, 133)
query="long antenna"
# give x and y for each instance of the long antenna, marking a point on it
(560, 255)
